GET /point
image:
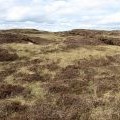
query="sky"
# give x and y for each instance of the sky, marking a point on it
(60, 15)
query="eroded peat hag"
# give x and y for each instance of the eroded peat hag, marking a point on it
(71, 75)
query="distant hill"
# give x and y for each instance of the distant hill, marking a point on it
(28, 31)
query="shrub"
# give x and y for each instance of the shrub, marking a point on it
(8, 90)
(6, 56)
(7, 108)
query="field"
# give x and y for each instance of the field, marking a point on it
(71, 75)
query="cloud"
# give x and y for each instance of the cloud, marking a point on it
(60, 14)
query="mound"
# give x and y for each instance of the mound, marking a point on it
(110, 40)
(72, 42)
(20, 38)
(11, 38)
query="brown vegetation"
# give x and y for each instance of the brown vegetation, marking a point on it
(6, 56)
(72, 75)
(10, 90)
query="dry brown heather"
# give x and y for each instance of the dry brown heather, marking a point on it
(72, 75)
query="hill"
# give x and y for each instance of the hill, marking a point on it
(70, 75)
